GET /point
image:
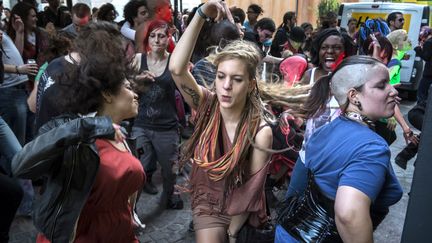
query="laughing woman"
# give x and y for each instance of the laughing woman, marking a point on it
(228, 165)
(350, 183)
(92, 176)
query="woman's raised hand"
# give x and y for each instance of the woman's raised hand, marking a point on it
(18, 24)
(214, 9)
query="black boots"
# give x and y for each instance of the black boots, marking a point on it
(174, 202)
(405, 155)
(149, 187)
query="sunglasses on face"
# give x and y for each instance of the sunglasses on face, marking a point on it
(401, 20)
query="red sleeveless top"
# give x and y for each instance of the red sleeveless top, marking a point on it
(107, 214)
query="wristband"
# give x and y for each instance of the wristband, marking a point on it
(202, 14)
(16, 70)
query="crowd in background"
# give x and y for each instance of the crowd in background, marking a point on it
(90, 107)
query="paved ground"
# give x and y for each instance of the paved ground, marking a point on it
(172, 225)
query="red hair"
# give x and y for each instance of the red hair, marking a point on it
(152, 25)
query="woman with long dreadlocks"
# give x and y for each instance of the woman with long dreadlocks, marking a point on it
(227, 149)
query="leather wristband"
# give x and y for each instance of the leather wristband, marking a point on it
(16, 70)
(203, 15)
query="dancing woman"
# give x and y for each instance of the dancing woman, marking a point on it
(349, 182)
(229, 164)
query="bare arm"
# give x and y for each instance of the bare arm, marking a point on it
(352, 215)
(408, 135)
(31, 100)
(18, 26)
(259, 159)
(31, 69)
(271, 59)
(179, 61)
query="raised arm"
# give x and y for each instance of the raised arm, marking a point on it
(179, 61)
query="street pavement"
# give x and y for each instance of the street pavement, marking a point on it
(172, 225)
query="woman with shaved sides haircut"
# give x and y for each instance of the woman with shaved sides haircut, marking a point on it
(349, 183)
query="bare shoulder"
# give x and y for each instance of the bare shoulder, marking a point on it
(306, 77)
(136, 62)
(264, 137)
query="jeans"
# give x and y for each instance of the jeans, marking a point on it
(161, 146)
(10, 144)
(13, 109)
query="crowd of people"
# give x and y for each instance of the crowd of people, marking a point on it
(90, 107)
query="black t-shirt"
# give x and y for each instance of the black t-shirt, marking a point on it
(279, 40)
(157, 106)
(47, 91)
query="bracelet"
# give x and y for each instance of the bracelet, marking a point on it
(202, 14)
(230, 235)
(16, 70)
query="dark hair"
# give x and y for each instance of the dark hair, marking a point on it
(81, 10)
(297, 34)
(256, 8)
(306, 25)
(33, 3)
(349, 45)
(265, 24)
(372, 26)
(130, 10)
(351, 20)
(59, 45)
(287, 16)
(239, 13)
(392, 17)
(223, 30)
(105, 10)
(154, 24)
(385, 44)
(328, 19)
(99, 70)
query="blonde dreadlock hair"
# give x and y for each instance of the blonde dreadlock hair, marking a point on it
(201, 147)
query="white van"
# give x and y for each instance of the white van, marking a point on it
(415, 16)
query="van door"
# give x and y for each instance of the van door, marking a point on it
(415, 16)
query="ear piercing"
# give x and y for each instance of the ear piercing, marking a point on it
(358, 104)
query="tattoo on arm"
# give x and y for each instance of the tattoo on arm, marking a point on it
(192, 93)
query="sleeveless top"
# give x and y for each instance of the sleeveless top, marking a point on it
(107, 214)
(157, 106)
(211, 197)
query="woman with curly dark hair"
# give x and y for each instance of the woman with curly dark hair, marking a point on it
(107, 12)
(93, 178)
